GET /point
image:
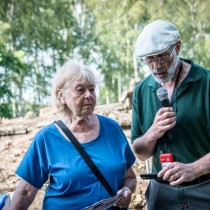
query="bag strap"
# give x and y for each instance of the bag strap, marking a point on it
(85, 156)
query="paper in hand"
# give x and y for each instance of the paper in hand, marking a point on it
(105, 203)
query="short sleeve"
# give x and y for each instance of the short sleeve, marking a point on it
(34, 166)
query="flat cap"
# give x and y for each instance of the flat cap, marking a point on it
(156, 38)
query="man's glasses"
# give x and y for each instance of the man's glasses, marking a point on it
(161, 58)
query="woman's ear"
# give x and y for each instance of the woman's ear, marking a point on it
(60, 96)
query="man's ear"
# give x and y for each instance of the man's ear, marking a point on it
(178, 46)
(60, 96)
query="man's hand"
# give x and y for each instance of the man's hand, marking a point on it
(165, 119)
(176, 173)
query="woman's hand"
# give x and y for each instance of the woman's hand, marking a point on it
(129, 186)
(126, 199)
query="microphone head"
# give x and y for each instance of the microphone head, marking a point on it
(162, 94)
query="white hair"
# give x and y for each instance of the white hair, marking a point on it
(71, 70)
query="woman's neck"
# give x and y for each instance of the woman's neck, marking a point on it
(79, 124)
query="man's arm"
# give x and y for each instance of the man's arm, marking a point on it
(144, 146)
(23, 196)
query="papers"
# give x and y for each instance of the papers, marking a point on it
(105, 203)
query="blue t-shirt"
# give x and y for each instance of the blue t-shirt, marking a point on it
(73, 185)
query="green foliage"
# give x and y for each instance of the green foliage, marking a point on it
(32, 106)
(38, 36)
(6, 110)
(116, 28)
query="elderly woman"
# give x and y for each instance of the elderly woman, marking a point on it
(72, 185)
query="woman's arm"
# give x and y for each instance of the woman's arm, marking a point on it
(129, 184)
(130, 180)
(23, 196)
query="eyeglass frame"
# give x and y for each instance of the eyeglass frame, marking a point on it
(158, 58)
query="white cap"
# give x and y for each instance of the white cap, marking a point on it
(156, 38)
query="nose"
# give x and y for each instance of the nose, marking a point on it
(156, 63)
(87, 93)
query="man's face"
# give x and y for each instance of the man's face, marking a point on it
(163, 66)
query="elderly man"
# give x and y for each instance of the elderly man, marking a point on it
(177, 126)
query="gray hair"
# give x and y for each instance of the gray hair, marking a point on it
(71, 71)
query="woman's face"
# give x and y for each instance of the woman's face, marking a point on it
(80, 98)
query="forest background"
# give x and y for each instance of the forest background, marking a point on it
(38, 36)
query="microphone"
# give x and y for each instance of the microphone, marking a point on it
(162, 94)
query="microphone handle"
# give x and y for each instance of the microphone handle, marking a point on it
(170, 134)
(165, 103)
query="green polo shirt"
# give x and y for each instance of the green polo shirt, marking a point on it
(192, 106)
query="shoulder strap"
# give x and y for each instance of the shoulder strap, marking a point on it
(85, 156)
